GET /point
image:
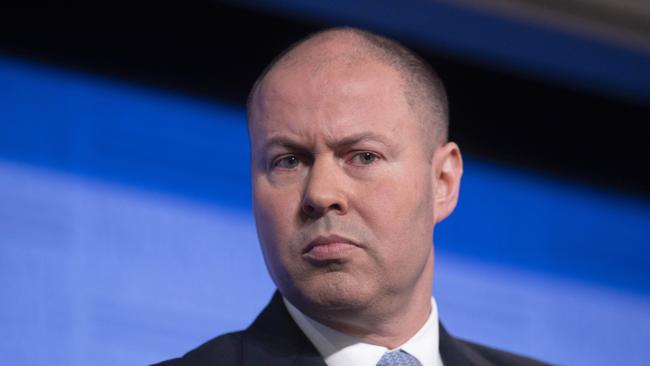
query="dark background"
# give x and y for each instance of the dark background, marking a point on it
(215, 50)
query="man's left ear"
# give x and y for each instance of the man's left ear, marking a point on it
(447, 171)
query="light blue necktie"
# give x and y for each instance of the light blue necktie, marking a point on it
(398, 358)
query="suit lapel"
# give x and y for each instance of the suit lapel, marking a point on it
(456, 353)
(274, 339)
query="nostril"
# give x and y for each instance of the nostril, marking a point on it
(335, 207)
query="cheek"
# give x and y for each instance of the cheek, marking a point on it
(400, 215)
(272, 228)
(397, 199)
(275, 212)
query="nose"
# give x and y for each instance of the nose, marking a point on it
(324, 190)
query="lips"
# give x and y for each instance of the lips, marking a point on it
(331, 247)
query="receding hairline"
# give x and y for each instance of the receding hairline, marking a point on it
(423, 88)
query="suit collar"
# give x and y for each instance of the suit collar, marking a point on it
(456, 353)
(342, 349)
(274, 339)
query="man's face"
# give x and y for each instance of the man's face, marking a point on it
(342, 185)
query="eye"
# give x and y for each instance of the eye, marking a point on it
(365, 158)
(286, 162)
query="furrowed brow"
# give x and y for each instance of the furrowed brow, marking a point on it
(282, 141)
(286, 142)
(360, 137)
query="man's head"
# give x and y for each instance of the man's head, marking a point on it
(351, 170)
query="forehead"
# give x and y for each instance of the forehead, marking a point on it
(339, 95)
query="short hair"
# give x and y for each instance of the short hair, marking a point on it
(423, 88)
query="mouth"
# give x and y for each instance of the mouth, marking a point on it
(330, 248)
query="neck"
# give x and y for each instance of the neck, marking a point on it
(390, 332)
(389, 322)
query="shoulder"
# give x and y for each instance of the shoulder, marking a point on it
(496, 356)
(455, 351)
(272, 338)
(224, 350)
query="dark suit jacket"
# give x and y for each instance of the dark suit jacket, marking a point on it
(274, 339)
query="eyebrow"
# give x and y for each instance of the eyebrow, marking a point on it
(360, 137)
(284, 142)
(343, 142)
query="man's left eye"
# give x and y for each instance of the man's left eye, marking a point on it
(365, 158)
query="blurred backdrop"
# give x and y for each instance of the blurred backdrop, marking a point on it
(126, 233)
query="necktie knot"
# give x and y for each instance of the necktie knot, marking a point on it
(398, 358)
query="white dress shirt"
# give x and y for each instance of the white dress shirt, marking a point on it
(339, 349)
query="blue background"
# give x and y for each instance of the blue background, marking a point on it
(126, 234)
(127, 237)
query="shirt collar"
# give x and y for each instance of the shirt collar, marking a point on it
(339, 349)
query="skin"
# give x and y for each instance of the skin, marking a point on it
(337, 149)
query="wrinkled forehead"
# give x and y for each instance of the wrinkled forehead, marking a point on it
(341, 88)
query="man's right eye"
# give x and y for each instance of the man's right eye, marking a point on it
(286, 162)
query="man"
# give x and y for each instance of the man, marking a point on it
(351, 170)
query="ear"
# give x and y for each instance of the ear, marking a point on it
(447, 171)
